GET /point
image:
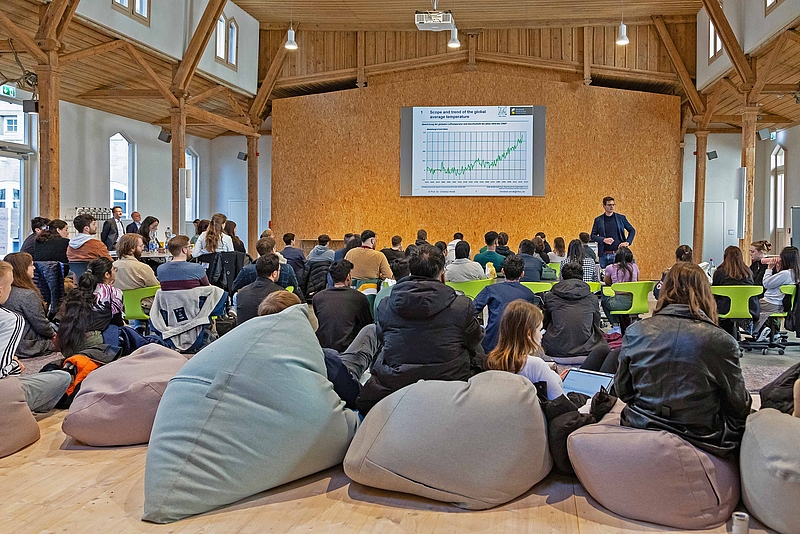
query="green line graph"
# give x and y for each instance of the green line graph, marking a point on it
(455, 152)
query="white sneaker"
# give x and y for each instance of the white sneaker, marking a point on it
(764, 336)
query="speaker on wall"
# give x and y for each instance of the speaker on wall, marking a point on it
(712, 154)
(242, 156)
(165, 136)
(763, 134)
(30, 106)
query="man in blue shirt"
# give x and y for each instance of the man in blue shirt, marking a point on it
(498, 296)
(533, 263)
(610, 231)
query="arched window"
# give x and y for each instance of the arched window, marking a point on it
(221, 49)
(777, 192)
(138, 10)
(121, 152)
(233, 42)
(192, 189)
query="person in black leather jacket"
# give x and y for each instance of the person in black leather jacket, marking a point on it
(425, 330)
(679, 371)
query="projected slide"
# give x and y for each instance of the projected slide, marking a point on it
(473, 151)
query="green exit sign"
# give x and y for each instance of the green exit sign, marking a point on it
(9, 91)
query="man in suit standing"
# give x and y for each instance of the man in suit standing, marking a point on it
(112, 229)
(610, 231)
(133, 228)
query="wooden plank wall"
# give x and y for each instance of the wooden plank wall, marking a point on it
(336, 162)
(326, 51)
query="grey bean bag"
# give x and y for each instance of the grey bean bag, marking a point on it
(475, 444)
(117, 402)
(770, 462)
(19, 427)
(251, 411)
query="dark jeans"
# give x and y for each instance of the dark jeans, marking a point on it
(602, 359)
(607, 259)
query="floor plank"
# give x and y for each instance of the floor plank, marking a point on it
(57, 485)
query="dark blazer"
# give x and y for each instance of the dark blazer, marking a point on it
(250, 297)
(132, 228)
(599, 231)
(109, 233)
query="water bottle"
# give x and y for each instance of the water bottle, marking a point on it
(153, 240)
(168, 234)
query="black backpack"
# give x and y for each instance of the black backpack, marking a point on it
(779, 393)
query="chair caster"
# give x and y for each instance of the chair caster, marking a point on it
(781, 352)
(764, 351)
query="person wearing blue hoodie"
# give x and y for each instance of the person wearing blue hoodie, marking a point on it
(321, 252)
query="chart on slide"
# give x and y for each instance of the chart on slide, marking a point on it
(473, 151)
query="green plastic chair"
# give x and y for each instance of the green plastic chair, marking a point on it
(594, 287)
(538, 287)
(290, 289)
(786, 290)
(132, 302)
(471, 288)
(639, 290)
(740, 297)
(556, 266)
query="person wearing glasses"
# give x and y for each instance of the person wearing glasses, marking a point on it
(610, 231)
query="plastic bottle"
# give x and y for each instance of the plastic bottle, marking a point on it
(168, 234)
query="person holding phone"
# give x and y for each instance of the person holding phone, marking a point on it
(781, 271)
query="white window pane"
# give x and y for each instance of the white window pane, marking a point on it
(140, 7)
(780, 158)
(772, 203)
(12, 122)
(119, 170)
(780, 201)
(123, 3)
(221, 38)
(711, 39)
(233, 39)
(719, 45)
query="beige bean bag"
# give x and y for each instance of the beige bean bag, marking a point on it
(770, 462)
(653, 476)
(117, 402)
(475, 444)
(19, 427)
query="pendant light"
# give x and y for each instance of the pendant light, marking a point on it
(454, 42)
(622, 34)
(291, 44)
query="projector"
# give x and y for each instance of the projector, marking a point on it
(434, 21)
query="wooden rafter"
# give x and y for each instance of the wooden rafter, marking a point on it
(794, 35)
(677, 62)
(48, 26)
(731, 130)
(734, 89)
(361, 79)
(125, 94)
(471, 49)
(159, 83)
(729, 41)
(66, 20)
(84, 53)
(765, 72)
(235, 105)
(208, 93)
(260, 101)
(780, 88)
(686, 117)
(25, 40)
(222, 122)
(711, 104)
(588, 47)
(197, 45)
(737, 119)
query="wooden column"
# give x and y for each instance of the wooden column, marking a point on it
(178, 122)
(252, 194)
(749, 118)
(49, 138)
(588, 32)
(699, 195)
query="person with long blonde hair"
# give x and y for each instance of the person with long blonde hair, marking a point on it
(678, 371)
(214, 239)
(519, 349)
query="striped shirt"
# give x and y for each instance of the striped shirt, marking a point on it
(11, 327)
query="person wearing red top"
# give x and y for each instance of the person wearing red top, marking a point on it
(84, 247)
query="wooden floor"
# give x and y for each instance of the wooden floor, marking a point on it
(56, 485)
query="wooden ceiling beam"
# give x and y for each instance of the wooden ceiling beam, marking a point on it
(24, 40)
(48, 26)
(219, 120)
(65, 21)
(84, 53)
(125, 94)
(677, 62)
(729, 41)
(780, 88)
(197, 45)
(208, 93)
(268, 83)
(159, 83)
(765, 72)
(235, 106)
(794, 35)
(711, 104)
(716, 130)
(737, 119)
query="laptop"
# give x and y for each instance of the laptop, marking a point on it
(587, 382)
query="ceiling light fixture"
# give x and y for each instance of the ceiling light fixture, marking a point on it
(454, 42)
(622, 35)
(291, 44)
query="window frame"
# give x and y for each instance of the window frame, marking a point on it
(225, 58)
(130, 10)
(713, 40)
(778, 188)
(770, 8)
(192, 154)
(130, 199)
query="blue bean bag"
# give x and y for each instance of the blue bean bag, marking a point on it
(251, 411)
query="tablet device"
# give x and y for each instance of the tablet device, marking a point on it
(587, 382)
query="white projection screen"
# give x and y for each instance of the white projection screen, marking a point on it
(472, 151)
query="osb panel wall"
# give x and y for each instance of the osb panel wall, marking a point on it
(336, 164)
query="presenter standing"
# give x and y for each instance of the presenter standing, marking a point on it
(610, 231)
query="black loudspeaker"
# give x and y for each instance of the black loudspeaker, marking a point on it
(242, 156)
(30, 106)
(165, 136)
(763, 134)
(712, 154)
